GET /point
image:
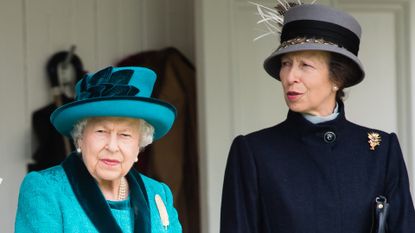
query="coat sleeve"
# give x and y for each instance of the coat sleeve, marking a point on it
(401, 211)
(37, 209)
(239, 210)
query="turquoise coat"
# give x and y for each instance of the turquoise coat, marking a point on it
(65, 198)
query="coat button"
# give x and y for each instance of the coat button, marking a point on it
(329, 136)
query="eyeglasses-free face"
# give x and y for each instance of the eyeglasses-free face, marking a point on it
(306, 82)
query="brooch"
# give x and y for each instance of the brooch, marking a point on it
(374, 140)
(164, 217)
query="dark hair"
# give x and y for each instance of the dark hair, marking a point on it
(343, 70)
(52, 67)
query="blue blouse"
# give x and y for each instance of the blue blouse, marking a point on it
(122, 212)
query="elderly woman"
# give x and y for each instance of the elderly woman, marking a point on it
(316, 171)
(95, 190)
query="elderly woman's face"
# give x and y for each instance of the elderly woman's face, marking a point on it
(305, 78)
(110, 146)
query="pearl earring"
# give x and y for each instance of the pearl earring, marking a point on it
(78, 150)
(335, 88)
(136, 159)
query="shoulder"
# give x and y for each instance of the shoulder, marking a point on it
(38, 205)
(261, 139)
(358, 127)
(47, 177)
(262, 136)
(46, 184)
(51, 184)
(154, 187)
(372, 141)
(358, 131)
(164, 217)
(273, 130)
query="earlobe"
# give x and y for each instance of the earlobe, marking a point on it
(79, 141)
(78, 147)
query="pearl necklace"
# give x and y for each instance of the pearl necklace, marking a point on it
(122, 190)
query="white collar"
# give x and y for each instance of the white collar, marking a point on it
(319, 119)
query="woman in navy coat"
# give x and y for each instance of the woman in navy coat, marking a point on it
(316, 172)
(95, 190)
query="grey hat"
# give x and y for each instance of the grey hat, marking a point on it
(317, 27)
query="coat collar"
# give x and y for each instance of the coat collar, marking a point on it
(94, 204)
(300, 126)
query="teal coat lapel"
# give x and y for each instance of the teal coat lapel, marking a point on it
(94, 204)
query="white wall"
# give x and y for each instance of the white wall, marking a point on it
(411, 85)
(104, 31)
(13, 126)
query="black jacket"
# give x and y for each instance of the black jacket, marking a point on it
(297, 177)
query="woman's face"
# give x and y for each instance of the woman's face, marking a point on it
(305, 78)
(110, 146)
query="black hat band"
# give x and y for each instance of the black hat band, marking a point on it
(334, 33)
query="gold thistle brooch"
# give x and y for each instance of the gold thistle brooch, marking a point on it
(374, 140)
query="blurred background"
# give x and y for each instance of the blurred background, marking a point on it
(208, 66)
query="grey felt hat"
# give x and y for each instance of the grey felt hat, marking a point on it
(317, 27)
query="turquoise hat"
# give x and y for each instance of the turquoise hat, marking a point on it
(116, 92)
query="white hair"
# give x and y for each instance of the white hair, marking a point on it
(146, 132)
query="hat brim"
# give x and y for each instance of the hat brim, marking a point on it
(159, 114)
(272, 64)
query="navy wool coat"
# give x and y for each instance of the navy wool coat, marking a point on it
(299, 177)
